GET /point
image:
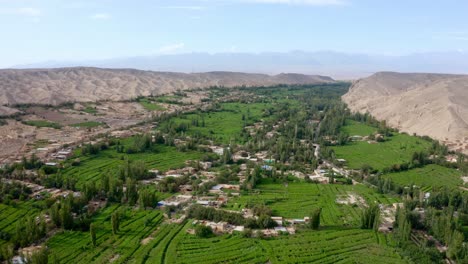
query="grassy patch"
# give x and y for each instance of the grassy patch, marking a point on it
(395, 150)
(42, 123)
(429, 176)
(90, 110)
(354, 128)
(87, 124)
(150, 106)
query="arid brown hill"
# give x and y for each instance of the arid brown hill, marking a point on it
(427, 104)
(54, 86)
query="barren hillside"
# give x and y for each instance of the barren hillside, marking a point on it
(427, 104)
(53, 86)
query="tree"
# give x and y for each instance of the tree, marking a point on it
(92, 233)
(370, 217)
(203, 231)
(115, 221)
(39, 257)
(147, 198)
(66, 217)
(131, 192)
(314, 221)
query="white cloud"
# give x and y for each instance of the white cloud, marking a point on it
(302, 2)
(451, 35)
(22, 11)
(101, 16)
(171, 48)
(184, 7)
(29, 11)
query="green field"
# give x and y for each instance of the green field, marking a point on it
(354, 128)
(124, 247)
(161, 157)
(150, 106)
(428, 176)
(143, 238)
(42, 123)
(325, 246)
(10, 214)
(297, 200)
(395, 150)
(87, 124)
(226, 124)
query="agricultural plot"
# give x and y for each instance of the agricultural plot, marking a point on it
(42, 123)
(395, 150)
(9, 215)
(324, 246)
(297, 200)
(332, 246)
(354, 128)
(225, 124)
(161, 157)
(427, 177)
(150, 105)
(141, 238)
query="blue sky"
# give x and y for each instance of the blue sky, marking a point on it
(42, 30)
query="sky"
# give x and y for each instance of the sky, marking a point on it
(55, 30)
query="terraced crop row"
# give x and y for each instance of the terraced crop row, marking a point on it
(326, 246)
(136, 225)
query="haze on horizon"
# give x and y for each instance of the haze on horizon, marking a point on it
(365, 36)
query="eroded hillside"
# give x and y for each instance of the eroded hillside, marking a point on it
(54, 86)
(426, 104)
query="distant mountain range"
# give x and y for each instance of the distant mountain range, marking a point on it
(336, 64)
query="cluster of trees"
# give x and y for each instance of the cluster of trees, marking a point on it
(93, 149)
(113, 190)
(28, 230)
(10, 191)
(203, 231)
(211, 214)
(172, 184)
(442, 215)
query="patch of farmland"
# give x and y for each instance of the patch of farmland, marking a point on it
(224, 124)
(354, 128)
(325, 246)
(9, 215)
(297, 200)
(427, 177)
(332, 246)
(76, 247)
(395, 150)
(220, 249)
(150, 105)
(108, 161)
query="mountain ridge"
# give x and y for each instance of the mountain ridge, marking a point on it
(423, 103)
(59, 85)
